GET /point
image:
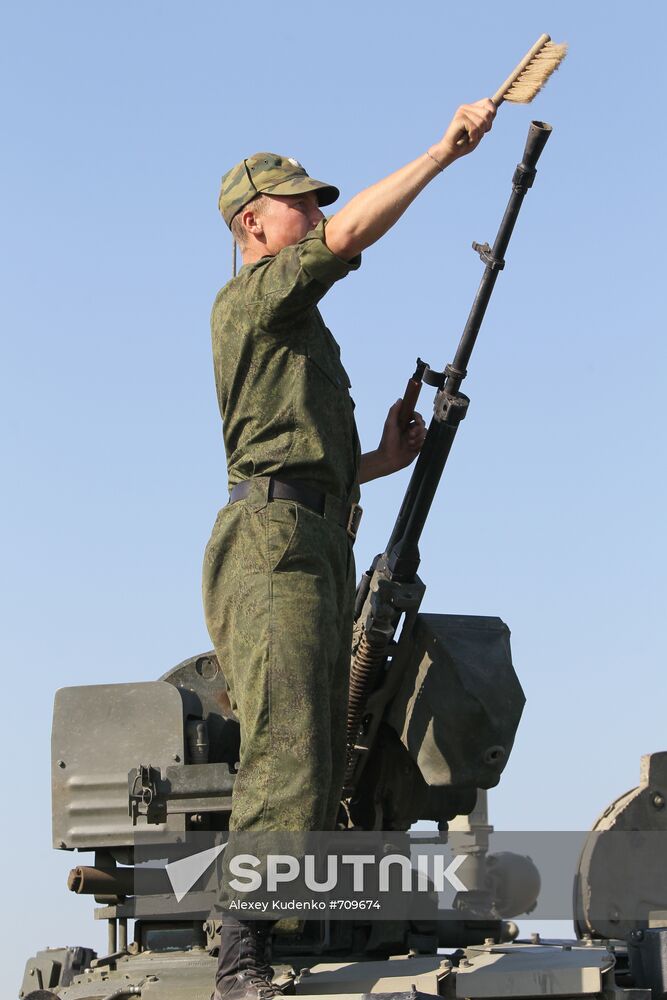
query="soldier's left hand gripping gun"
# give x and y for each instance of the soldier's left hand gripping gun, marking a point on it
(434, 701)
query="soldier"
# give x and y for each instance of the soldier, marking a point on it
(279, 574)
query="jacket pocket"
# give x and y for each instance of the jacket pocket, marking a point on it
(330, 367)
(283, 519)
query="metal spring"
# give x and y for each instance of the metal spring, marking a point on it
(367, 661)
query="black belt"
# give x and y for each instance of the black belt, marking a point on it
(347, 515)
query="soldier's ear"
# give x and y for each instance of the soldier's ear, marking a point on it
(252, 222)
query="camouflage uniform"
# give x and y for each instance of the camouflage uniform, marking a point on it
(278, 578)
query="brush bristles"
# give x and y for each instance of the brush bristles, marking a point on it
(536, 73)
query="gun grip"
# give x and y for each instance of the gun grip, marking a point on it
(410, 397)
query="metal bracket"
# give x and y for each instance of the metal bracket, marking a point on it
(523, 178)
(436, 379)
(431, 377)
(185, 789)
(486, 254)
(143, 791)
(450, 408)
(389, 597)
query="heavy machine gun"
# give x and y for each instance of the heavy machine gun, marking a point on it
(441, 702)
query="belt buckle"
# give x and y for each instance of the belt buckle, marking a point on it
(354, 520)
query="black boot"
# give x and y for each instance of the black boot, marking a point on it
(244, 972)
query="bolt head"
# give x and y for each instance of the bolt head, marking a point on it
(658, 800)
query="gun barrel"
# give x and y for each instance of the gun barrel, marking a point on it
(402, 550)
(494, 257)
(538, 133)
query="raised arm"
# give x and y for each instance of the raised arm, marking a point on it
(371, 213)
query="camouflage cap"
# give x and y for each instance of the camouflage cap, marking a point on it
(268, 173)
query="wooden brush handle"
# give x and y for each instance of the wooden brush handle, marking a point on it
(499, 95)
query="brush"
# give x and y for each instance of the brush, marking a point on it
(528, 78)
(532, 73)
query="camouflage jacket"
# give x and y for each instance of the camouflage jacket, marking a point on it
(282, 390)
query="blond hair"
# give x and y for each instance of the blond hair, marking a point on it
(239, 231)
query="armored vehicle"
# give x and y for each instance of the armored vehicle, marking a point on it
(143, 773)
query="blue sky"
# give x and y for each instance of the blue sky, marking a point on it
(119, 120)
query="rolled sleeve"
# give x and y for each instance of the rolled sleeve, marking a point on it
(280, 288)
(318, 260)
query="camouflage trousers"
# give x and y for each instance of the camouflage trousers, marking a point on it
(278, 590)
